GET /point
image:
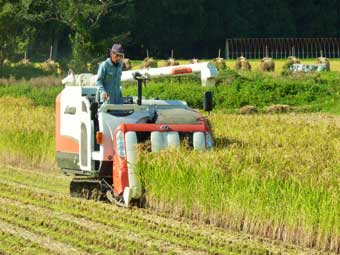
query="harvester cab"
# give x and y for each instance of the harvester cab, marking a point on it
(97, 142)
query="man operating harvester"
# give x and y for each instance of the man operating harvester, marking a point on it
(109, 75)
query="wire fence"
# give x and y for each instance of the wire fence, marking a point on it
(251, 48)
(257, 48)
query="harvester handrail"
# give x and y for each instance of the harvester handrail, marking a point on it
(123, 107)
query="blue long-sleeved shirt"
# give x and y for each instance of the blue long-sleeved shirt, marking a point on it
(108, 80)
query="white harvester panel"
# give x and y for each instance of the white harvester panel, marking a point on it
(86, 137)
(135, 190)
(70, 107)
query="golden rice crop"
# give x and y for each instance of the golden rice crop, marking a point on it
(27, 133)
(271, 175)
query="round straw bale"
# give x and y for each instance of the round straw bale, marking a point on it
(220, 63)
(248, 109)
(172, 62)
(194, 61)
(290, 61)
(294, 59)
(127, 64)
(242, 64)
(323, 60)
(267, 65)
(25, 61)
(49, 66)
(149, 62)
(278, 108)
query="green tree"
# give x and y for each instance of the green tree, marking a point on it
(11, 30)
(82, 19)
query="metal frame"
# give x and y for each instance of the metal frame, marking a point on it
(256, 48)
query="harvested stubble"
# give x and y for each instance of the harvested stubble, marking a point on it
(267, 65)
(323, 60)
(19, 244)
(242, 64)
(219, 63)
(81, 227)
(127, 64)
(149, 63)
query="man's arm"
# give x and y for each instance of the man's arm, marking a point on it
(100, 81)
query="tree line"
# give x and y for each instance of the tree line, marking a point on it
(81, 31)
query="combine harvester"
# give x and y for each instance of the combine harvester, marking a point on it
(97, 142)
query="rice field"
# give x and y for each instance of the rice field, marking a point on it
(27, 133)
(275, 176)
(269, 187)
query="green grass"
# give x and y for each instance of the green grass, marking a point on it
(305, 92)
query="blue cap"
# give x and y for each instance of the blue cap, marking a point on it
(117, 49)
